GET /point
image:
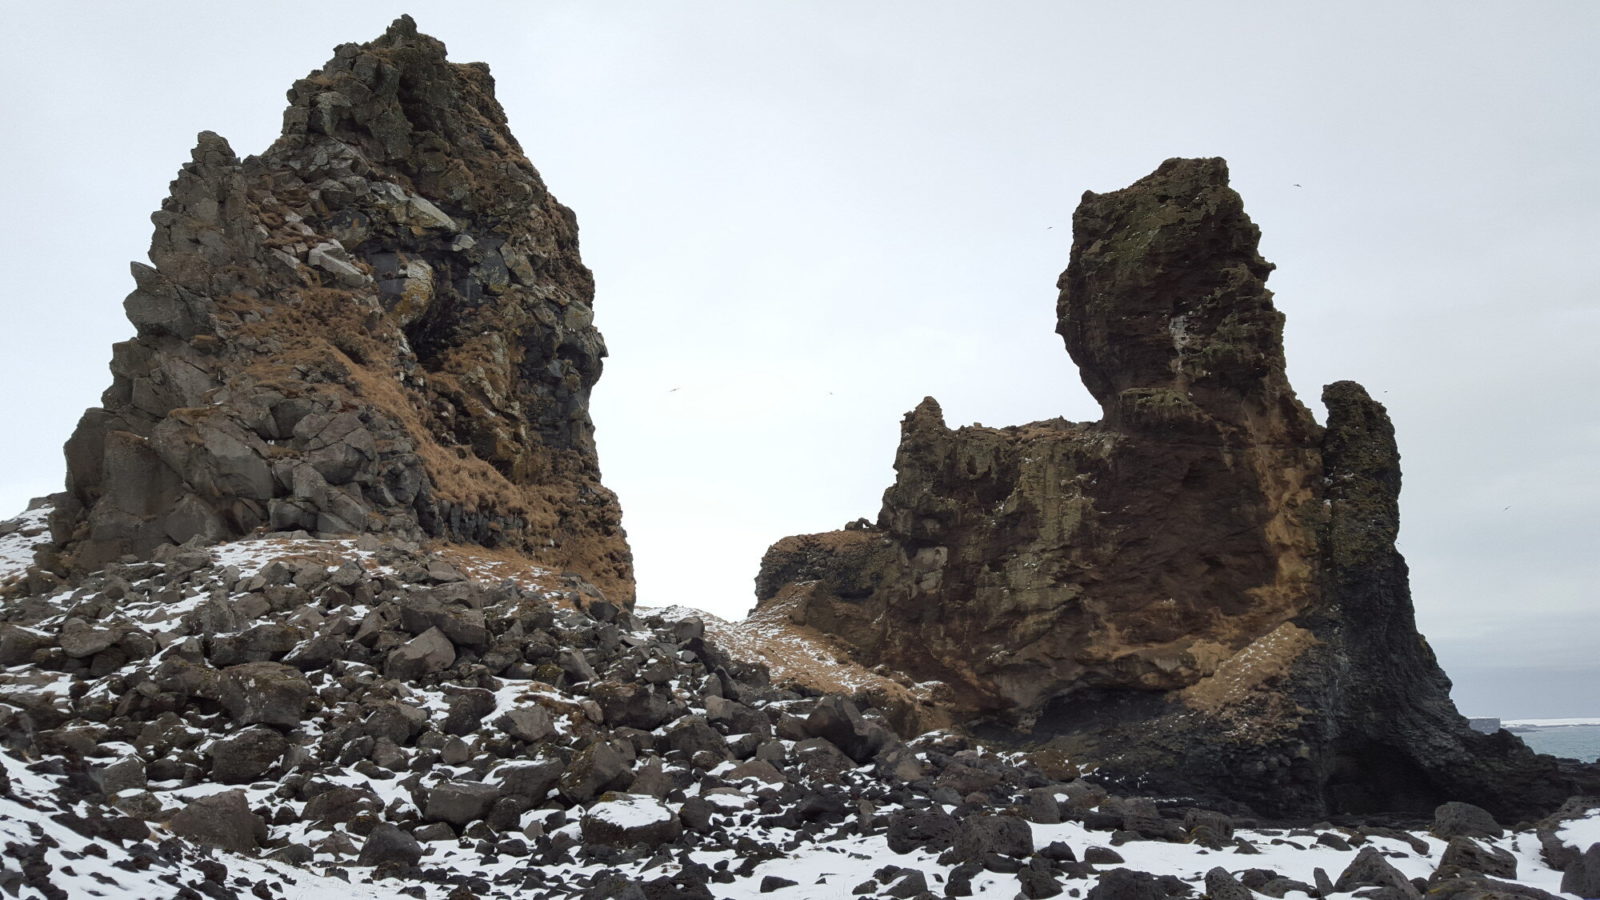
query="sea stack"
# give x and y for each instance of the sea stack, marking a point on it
(380, 324)
(1199, 593)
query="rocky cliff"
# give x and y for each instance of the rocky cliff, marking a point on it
(381, 324)
(1200, 592)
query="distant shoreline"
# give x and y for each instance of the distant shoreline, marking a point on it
(1514, 725)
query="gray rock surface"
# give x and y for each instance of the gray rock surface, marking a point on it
(244, 756)
(221, 820)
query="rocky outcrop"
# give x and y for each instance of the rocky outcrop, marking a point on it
(381, 324)
(1199, 592)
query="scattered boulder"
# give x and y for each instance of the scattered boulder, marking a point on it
(1370, 869)
(221, 820)
(980, 838)
(840, 722)
(622, 820)
(125, 774)
(459, 802)
(531, 723)
(337, 803)
(247, 755)
(1127, 884)
(387, 845)
(600, 767)
(426, 654)
(933, 830)
(529, 782)
(1221, 885)
(1463, 856)
(1582, 876)
(265, 693)
(1457, 819)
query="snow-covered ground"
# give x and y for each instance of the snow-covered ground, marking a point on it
(20, 537)
(821, 869)
(756, 861)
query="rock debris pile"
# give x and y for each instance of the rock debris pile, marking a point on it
(290, 717)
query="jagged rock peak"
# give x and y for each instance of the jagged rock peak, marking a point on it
(1164, 301)
(1200, 593)
(382, 323)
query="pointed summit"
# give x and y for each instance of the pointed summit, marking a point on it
(1198, 595)
(381, 324)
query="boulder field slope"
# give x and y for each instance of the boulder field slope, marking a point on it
(291, 717)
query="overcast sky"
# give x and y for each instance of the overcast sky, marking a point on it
(804, 217)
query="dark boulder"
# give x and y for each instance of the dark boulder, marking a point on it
(627, 819)
(247, 755)
(265, 693)
(1582, 876)
(932, 830)
(387, 845)
(459, 802)
(1370, 869)
(1456, 819)
(1463, 856)
(220, 820)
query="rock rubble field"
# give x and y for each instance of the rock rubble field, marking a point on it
(292, 717)
(335, 605)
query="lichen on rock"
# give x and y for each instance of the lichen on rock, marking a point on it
(382, 323)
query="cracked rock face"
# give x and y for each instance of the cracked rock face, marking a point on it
(1199, 591)
(381, 324)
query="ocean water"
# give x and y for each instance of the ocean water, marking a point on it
(1572, 741)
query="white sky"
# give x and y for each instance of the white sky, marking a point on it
(807, 216)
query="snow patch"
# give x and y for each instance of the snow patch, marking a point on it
(629, 811)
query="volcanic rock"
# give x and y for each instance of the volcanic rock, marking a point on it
(246, 755)
(1463, 855)
(624, 820)
(460, 802)
(1200, 590)
(221, 820)
(527, 723)
(388, 845)
(1456, 819)
(380, 324)
(425, 654)
(1370, 869)
(1582, 876)
(265, 692)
